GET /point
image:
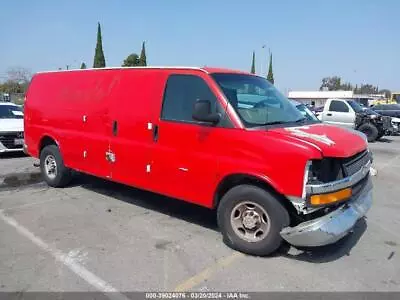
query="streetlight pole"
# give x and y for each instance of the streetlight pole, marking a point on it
(262, 59)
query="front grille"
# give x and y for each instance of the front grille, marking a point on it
(355, 163)
(8, 139)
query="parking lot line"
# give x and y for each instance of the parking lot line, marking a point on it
(65, 259)
(208, 272)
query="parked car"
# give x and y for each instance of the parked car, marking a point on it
(391, 110)
(396, 125)
(348, 113)
(395, 122)
(11, 127)
(218, 138)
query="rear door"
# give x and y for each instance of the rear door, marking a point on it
(340, 113)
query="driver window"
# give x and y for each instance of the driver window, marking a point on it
(338, 106)
(181, 92)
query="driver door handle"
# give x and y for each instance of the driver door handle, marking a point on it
(155, 133)
(329, 114)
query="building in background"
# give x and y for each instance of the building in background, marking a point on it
(318, 98)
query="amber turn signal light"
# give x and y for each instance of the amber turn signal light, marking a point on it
(329, 198)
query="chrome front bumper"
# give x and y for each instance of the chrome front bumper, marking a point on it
(4, 149)
(332, 227)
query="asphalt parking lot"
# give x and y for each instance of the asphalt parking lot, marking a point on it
(101, 236)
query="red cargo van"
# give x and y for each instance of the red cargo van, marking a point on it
(218, 138)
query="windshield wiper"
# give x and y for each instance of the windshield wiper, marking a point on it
(274, 123)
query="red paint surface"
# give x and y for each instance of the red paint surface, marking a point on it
(189, 160)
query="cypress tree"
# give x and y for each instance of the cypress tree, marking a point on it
(83, 66)
(142, 58)
(270, 76)
(131, 61)
(253, 64)
(99, 60)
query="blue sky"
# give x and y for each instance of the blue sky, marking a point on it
(356, 39)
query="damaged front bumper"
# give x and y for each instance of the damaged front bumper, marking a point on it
(330, 228)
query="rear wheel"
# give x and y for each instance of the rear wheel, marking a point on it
(52, 167)
(370, 131)
(251, 219)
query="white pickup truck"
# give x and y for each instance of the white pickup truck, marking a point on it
(348, 113)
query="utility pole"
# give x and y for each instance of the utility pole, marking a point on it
(262, 60)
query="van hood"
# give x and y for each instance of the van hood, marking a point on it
(332, 141)
(11, 125)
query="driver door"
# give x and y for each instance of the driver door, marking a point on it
(185, 155)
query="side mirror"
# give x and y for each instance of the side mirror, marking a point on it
(202, 112)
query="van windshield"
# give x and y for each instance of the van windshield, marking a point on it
(11, 112)
(257, 102)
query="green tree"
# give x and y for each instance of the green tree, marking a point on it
(253, 64)
(131, 61)
(331, 83)
(12, 87)
(270, 76)
(143, 59)
(83, 66)
(99, 60)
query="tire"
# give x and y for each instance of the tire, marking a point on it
(277, 218)
(370, 131)
(50, 156)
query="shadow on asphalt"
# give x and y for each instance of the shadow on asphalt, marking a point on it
(384, 140)
(11, 155)
(20, 179)
(165, 205)
(329, 253)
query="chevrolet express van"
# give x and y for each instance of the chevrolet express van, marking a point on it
(223, 139)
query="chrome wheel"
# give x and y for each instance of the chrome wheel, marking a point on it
(250, 221)
(50, 166)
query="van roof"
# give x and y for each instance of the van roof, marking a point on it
(207, 70)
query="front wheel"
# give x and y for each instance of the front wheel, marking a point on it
(52, 167)
(251, 219)
(370, 131)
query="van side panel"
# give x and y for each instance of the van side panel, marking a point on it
(134, 109)
(73, 109)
